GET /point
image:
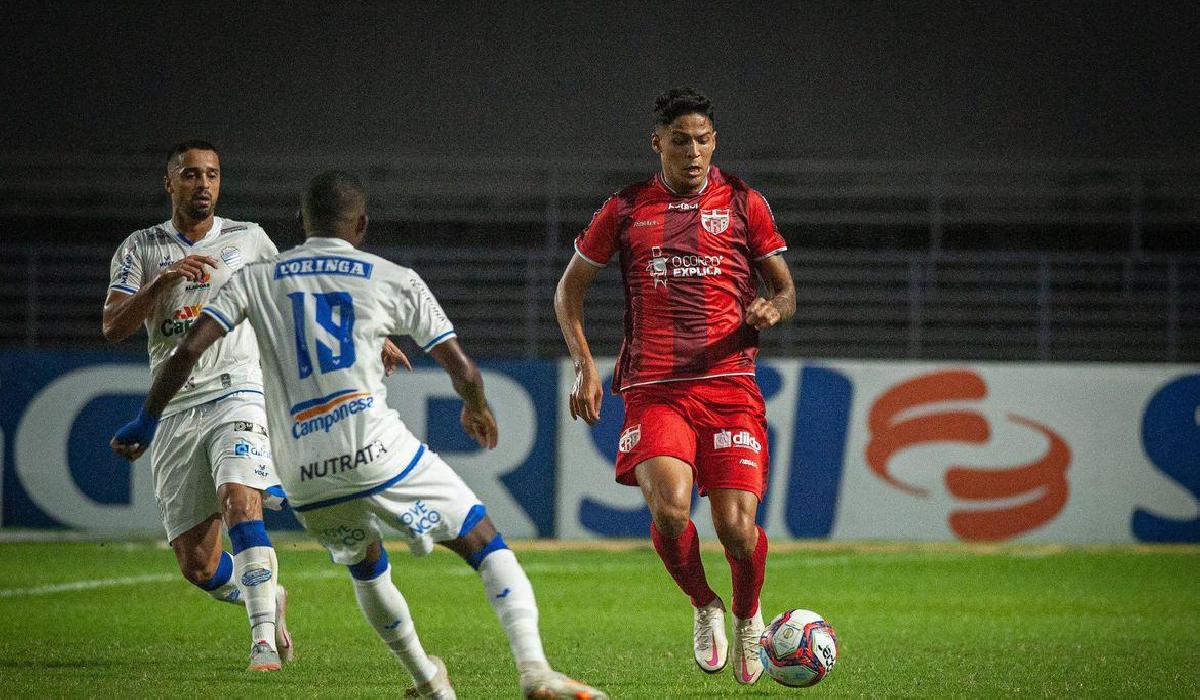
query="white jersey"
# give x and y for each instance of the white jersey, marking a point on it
(231, 364)
(321, 312)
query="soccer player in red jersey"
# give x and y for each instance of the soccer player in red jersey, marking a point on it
(692, 241)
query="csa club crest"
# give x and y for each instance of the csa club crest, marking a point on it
(715, 221)
(232, 257)
(630, 438)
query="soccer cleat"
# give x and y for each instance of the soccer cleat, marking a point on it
(552, 685)
(264, 658)
(283, 640)
(437, 688)
(709, 644)
(747, 667)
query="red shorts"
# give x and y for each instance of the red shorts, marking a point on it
(718, 426)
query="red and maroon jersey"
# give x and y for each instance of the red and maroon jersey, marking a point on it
(688, 265)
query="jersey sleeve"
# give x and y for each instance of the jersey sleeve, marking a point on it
(419, 315)
(266, 247)
(231, 302)
(764, 237)
(125, 271)
(598, 241)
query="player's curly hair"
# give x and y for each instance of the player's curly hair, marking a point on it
(679, 101)
(189, 145)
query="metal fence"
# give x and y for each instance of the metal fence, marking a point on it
(952, 260)
(1001, 306)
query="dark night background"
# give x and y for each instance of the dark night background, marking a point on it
(878, 80)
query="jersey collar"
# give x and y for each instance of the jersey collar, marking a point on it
(170, 226)
(662, 180)
(327, 243)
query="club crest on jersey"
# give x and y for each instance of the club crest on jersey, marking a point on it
(657, 267)
(232, 257)
(630, 438)
(715, 221)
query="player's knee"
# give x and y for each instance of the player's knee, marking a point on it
(671, 519)
(475, 558)
(240, 503)
(198, 571)
(372, 566)
(738, 534)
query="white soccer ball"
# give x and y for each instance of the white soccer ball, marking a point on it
(798, 648)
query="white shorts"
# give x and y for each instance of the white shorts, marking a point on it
(431, 503)
(199, 448)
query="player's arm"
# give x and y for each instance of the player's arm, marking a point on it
(134, 437)
(123, 313)
(476, 418)
(587, 394)
(781, 304)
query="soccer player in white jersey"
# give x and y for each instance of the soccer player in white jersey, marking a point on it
(347, 461)
(213, 460)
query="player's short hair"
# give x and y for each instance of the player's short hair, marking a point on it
(333, 197)
(189, 145)
(679, 101)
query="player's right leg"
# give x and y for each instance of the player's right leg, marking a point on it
(666, 484)
(511, 596)
(349, 532)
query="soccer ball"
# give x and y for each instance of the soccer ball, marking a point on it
(798, 648)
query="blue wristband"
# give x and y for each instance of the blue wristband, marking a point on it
(139, 431)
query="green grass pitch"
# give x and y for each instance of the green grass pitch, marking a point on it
(112, 618)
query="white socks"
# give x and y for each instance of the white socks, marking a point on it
(507, 589)
(254, 570)
(387, 612)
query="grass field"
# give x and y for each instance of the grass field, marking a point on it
(113, 618)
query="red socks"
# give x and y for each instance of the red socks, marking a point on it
(748, 577)
(682, 559)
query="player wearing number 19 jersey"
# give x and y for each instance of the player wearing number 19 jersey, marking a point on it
(346, 460)
(693, 242)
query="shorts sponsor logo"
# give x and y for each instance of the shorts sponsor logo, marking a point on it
(343, 463)
(742, 438)
(321, 414)
(344, 535)
(630, 438)
(181, 319)
(748, 462)
(261, 470)
(241, 448)
(420, 518)
(715, 221)
(256, 577)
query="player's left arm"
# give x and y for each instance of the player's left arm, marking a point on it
(762, 313)
(134, 437)
(476, 418)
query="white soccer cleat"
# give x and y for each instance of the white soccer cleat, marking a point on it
(264, 658)
(747, 667)
(709, 644)
(552, 685)
(283, 640)
(437, 688)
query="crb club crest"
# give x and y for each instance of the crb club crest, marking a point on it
(715, 221)
(629, 438)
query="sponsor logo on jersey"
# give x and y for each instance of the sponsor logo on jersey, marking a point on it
(329, 265)
(657, 267)
(646, 222)
(715, 221)
(343, 463)
(165, 262)
(256, 577)
(181, 319)
(630, 438)
(321, 414)
(726, 438)
(232, 257)
(682, 206)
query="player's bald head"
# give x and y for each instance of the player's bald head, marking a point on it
(333, 204)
